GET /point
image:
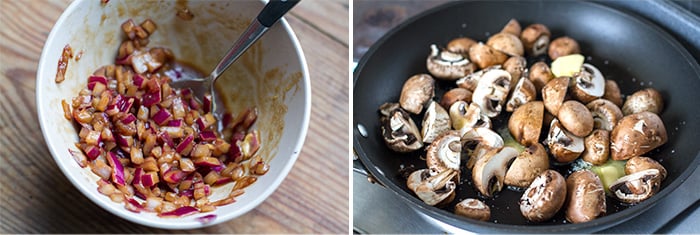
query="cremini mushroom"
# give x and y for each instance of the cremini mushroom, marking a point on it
(535, 38)
(636, 187)
(398, 129)
(563, 46)
(637, 134)
(588, 84)
(564, 146)
(525, 124)
(485, 56)
(460, 45)
(444, 152)
(640, 163)
(554, 93)
(477, 142)
(465, 117)
(512, 27)
(597, 147)
(474, 209)
(416, 92)
(470, 81)
(436, 190)
(454, 95)
(507, 43)
(523, 93)
(417, 177)
(612, 92)
(544, 197)
(648, 99)
(529, 164)
(605, 114)
(436, 121)
(585, 196)
(491, 92)
(447, 65)
(516, 66)
(576, 118)
(489, 171)
(540, 74)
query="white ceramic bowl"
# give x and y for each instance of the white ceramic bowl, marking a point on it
(272, 76)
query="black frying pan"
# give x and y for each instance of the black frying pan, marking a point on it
(632, 51)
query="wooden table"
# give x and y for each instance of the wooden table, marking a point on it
(35, 197)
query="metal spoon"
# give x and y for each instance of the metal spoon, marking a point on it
(273, 11)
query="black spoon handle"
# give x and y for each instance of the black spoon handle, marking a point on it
(274, 10)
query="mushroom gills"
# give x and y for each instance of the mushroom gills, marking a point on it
(637, 187)
(489, 171)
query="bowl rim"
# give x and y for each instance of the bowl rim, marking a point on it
(91, 192)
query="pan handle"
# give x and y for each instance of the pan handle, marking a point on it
(359, 167)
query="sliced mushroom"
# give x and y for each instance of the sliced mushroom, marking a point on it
(605, 114)
(544, 197)
(516, 66)
(563, 46)
(586, 197)
(436, 121)
(612, 93)
(438, 189)
(535, 38)
(636, 187)
(398, 129)
(417, 177)
(490, 170)
(525, 124)
(576, 118)
(523, 93)
(491, 92)
(644, 100)
(528, 165)
(470, 81)
(597, 145)
(477, 142)
(639, 163)
(564, 146)
(637, 134)
(454, 95)
(416, 92)
(512, 27)
(554, 93)
(460, 45)
(540, 74)
(485, 56)
(465, 117)
(507, 43)
(473, 209)
(588, 84)
(444, 153)
(448, 65)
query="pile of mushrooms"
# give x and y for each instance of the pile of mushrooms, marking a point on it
(559, 113)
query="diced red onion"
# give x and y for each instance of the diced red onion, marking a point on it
(123, 141)
(174, 176)
(124, 61)
(207, 135)
(78, 157)
(208, 162)
(93, 152)
(138, 80)
(218, 168)
(149, 179)
(117, 169)
(186, 92)
(162, 116)
(93, 79)
(133, 205)
(206, 102)
(187, 142)
(124, 104)
(187, 193)
(206, 219)
(200, 123)
(151, 98)
(178, 108)
(182, 211)
(128, 119)
(165, 137)
(226, 119)
(137, 176)
(194, 104)
(222, 180)
(175, 123)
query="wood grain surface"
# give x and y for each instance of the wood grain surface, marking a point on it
(35, 197)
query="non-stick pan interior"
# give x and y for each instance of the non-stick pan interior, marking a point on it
(629, 50)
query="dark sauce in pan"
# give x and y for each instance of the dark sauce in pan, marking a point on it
(504, 204)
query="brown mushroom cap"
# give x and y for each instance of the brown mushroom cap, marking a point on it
(637, 134)
(474, 209)
(605, 114)
(398, 129)
(544, 197)
(597, 145)
(526, 123)
(576, 118)
(563, 46)
(506, 43)
(523, 93)
(477, 142)
(516, 66)
(460, 45)
(639, 163)
(438, 189)
(612, 92)
(416, 92)
(586, 197)
(485, 56)
(528, 165)
(554, 93)
(535, 38)
(564, 146)
(512, 27)
(648, 99)
(454, 95)
(540, 74)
